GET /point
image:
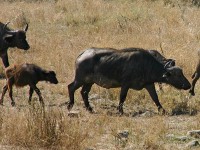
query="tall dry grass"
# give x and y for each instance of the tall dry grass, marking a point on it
(58, 31)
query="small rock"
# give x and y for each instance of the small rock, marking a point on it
(182, 138)
(170, 136)
(147, 114)
(134, 114)
(123, 134)
(193, 143)
(194, 133)
(73, 114)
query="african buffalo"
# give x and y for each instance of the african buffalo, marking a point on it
(26, 74)
(195, 76)
(132, 68)
(11, 38)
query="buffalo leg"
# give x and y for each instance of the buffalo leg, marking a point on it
(34, 87)
(195, 78)
(30, 95)
(4, 58)
(5, 88)
(152, 92)
(160, 87)
(72, 87)
(10, 95)
(123, 94)
(84, 92)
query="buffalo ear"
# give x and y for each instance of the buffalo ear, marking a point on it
(52, 72)
(8, 38)
(173, 63)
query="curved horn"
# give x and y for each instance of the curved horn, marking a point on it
(4, 28)
(26, 28)
(169, 64)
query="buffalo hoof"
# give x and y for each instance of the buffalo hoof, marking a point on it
(120, 114)
(69, 106)
(42, 104)
(13, 104)
(89, 108)
(120, 109)
(29, 102)
(161, 111)
(192, 93)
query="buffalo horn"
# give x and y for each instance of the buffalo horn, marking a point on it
(4, 28)
(169, 64)
(26, 28)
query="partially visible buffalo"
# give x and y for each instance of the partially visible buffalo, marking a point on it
(195, 76)
(132, 68)
(26, 74)
(11, 38)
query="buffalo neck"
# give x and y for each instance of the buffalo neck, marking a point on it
(154, 73)
(42, 75)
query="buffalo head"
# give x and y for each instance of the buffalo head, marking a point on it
(16, 38)
(51, 77)
(174, 76)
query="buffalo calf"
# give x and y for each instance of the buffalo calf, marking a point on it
(27, 74)
(195, 76)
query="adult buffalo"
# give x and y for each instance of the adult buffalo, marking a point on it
(132, 68)
(11, 38)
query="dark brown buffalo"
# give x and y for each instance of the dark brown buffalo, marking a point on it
(11, 38)
(195, 76)
(27, 74)
(132, 68)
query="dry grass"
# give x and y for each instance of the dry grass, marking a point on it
(58, 31)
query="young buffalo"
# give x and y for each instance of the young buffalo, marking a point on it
(27, 74)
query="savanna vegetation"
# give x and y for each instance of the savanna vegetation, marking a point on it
(58, 31)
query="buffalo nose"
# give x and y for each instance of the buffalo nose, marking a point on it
(186, 87)
(27, 47)
(56, 82)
